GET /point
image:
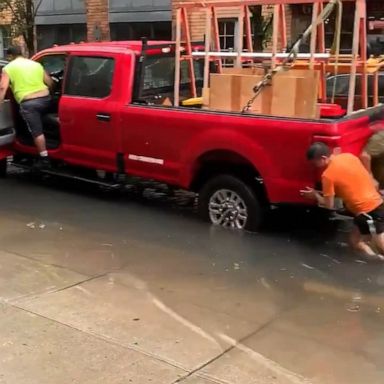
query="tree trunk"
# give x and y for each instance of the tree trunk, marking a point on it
(261, 27)
(257, 21)
(29, 34)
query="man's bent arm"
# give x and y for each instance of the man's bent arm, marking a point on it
(366, 159)
(48, 80)
(4, 85)
(327, 199)
(327, 202)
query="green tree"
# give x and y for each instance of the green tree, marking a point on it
(23, 13)
(261, 26)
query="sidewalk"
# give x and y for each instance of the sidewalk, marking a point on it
(59, 326)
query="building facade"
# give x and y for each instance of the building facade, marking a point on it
(64, 21)
(302, 14)
(298, 18)
(228, 20)
(60, 22)
(5, 31)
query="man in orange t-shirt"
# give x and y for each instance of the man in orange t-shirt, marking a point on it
(345, 176)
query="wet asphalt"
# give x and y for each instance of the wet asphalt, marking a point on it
(102, 286)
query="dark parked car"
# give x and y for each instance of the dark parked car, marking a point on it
(342, 87)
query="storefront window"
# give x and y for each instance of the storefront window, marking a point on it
(5, 40)
(48, 35)
(135, 31)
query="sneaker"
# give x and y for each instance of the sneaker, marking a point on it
(42, 164)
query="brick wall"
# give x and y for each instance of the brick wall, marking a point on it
(197, 21)
(290, 23)
(5, 17)
(98, 20)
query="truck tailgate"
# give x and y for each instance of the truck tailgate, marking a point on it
(351, 133)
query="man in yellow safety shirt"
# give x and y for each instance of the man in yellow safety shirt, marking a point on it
(30, 86)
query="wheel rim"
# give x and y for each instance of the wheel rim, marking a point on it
(228, 209)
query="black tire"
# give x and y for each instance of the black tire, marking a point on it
(3, 168)
(255, 210)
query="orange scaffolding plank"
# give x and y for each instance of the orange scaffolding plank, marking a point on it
(188, 46)
(248, 29)
(216, 37)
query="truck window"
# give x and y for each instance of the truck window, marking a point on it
(159, 75)
(53, 64)
(381, 85)
(342, 85)
(90, 77)
(340, 88)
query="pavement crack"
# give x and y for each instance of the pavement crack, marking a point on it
(233, 347)
(37, 260)
(79, 283)
(206, 379)
(102, 338)
(22, 298)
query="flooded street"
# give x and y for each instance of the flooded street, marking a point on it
(97, 287)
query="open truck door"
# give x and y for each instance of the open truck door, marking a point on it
(7, 129)
(7, 134)
(7, 124)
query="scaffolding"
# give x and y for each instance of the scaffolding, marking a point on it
(318, 57)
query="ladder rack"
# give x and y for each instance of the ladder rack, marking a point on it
(317, 57)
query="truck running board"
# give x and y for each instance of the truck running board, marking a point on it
(70, 175)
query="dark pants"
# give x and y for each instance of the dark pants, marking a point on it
(32, 112)
(371, 222)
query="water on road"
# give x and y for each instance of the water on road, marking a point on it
(96, 287)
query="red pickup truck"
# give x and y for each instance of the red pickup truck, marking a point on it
(111, 114)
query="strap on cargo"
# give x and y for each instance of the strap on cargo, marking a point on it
(336, 47)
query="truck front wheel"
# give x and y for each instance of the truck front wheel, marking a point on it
(229, 202)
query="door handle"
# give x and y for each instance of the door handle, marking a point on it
(104, 117)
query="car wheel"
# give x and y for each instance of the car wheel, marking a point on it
(229, 202)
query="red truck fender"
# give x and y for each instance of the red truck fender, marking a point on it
(4, 153)
(220, 140)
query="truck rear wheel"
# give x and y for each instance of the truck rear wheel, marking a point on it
(228, 201)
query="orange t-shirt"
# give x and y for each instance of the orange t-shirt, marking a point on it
(347, 178)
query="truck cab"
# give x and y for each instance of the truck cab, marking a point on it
(80, 125)
(97, 84)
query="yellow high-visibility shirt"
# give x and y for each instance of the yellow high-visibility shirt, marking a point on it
(26, 77)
